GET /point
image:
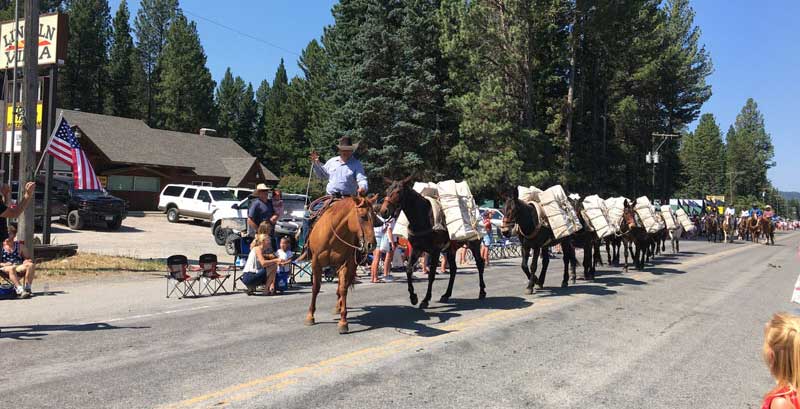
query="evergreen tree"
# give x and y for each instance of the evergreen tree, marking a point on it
(278, 145)
(152, 25)
(248, 111)
(749, 151)
(84, 80)
(236, 110)
(126, 76)
(186, 91)
(317, 88)
(262, 95)
(703, 158)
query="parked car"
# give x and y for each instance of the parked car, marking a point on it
(196, 202)
(240, 193)
(77, 208)
(227, 224)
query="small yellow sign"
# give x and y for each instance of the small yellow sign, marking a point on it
(715, 198)
(39, 108)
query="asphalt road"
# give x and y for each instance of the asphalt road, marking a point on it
(685, 333)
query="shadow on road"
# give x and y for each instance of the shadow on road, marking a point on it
(37, 332)
(616, 281)
(411, 319)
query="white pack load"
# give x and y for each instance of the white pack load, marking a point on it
(597, 215)
(529, 194)
(661, 223)
(616, 209)
(669, 218)
(644, 209)
(683, 219)
(459, 210)
(560, 214)
(401, 225)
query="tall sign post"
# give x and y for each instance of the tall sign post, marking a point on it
(46, 40)
(30, 97)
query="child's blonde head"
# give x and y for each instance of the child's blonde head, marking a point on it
(285, 243)
(782, 349)
(263, 234)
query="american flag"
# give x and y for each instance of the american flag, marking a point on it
(65, 147)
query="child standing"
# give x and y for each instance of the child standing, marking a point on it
(782, 355)
(285, 255)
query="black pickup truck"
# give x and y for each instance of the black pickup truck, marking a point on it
(78, 208)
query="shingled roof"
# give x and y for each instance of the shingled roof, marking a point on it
(131, 141)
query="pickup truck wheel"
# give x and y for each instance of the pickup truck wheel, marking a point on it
(220, 234)
(114, 224)
(74, 220)
(230, 244)
(172, 215)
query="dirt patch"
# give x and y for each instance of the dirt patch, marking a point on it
(85, 265)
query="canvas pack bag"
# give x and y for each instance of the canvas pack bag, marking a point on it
(459, 210)
(561, 216)
(616, 209)
(645, 212)
(597, 215)
(669, 218)
(683, 219)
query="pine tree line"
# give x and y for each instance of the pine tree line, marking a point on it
(499, 92)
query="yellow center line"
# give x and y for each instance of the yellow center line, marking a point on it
(361, 357)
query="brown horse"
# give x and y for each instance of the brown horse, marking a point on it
(727, 228)
(767, 229)
(754, 226)
(344, 229)
(711, 224)
(743, 228)
(635, 239)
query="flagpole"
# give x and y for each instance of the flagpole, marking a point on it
(49, 141)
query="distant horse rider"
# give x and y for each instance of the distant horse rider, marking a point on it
(755, 211)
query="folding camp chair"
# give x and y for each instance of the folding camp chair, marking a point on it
(210, 279)
(176, 271)
(299, 269)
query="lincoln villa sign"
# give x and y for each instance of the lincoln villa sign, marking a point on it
(53, 31)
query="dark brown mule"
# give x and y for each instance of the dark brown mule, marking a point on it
(523, 219)
(345, 228)
(635, 239)
(712, 227)
(767, 229)
(423, 238)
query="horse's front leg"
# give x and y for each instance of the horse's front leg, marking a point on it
(412, 261)
(480, 264)
(316, 276)
(451, 262)
(433, 260)
(529, 288)
(626, 245)
(347, 272)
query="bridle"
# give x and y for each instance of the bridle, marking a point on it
(362, 242)
(528, 236)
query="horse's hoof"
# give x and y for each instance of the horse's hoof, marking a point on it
(541, 286)
(444, 299)
(343, 328)
(564, 284)
(574, 281)
(423, 305)
(482, 295)
(414, 299)
(530, 290)
(310, 321)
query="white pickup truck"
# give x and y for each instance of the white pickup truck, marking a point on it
(196, 202)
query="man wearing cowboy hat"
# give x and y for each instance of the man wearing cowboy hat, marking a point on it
(260, 210)
(345, 174)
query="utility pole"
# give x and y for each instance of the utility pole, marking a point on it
(652, 156)
(30, 95)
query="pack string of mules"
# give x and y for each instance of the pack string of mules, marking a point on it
(345, 230)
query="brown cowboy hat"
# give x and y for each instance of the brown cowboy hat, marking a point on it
(346, 144)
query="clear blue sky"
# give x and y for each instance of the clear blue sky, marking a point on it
(755, 47)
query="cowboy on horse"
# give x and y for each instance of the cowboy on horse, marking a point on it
(345, 173)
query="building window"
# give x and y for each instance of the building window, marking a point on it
(134, 183)
(146, 184)
(120, 183)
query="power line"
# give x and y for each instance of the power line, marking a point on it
(241, 33)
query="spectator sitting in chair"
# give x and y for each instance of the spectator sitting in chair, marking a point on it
(16, 264)
(261, 264)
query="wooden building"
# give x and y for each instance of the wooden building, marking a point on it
(135, 161)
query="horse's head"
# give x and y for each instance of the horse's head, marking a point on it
(510, 211)
(628, 216)
(395, 195)
(365, 220)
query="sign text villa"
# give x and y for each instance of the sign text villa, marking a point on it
(53, 33)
